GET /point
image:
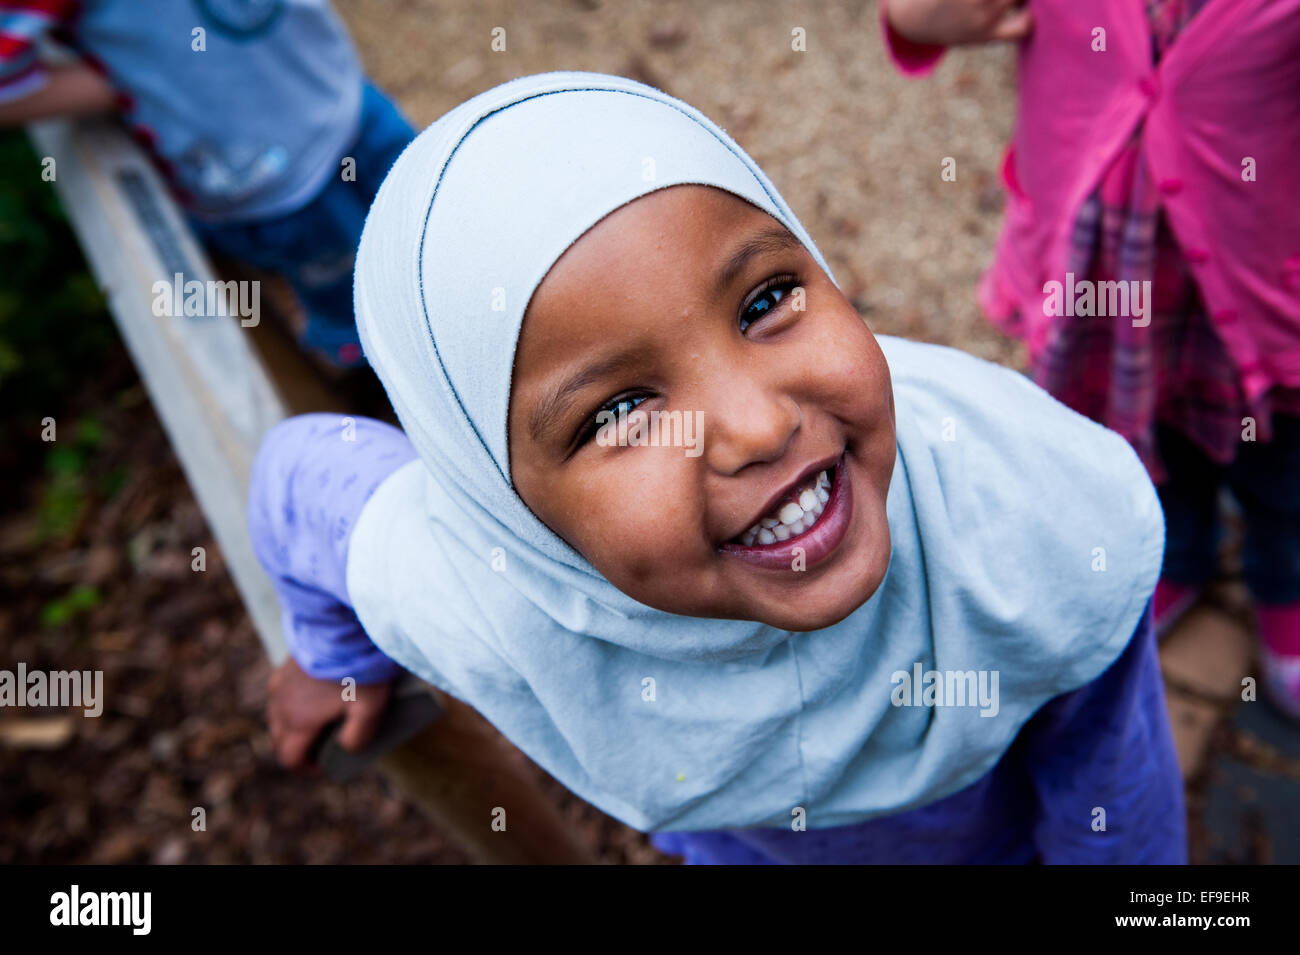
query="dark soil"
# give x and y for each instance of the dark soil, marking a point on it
(184, 679)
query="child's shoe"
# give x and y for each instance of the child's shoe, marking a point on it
(1171, 602)
(1279, 632)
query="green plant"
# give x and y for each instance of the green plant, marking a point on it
(54, 330)
(78, 600)
(64, 491)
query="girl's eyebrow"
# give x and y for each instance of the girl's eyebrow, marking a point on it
(555, 404)
(769, 240)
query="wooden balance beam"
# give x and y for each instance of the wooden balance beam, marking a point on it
(217, 397)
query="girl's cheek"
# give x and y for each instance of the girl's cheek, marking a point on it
(851, 368)
(642, 508)
(645, 547)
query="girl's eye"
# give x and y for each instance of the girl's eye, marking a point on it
(619, 404)
(619, 408)
(767, 299)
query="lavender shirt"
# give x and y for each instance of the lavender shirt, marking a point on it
(1092, 778)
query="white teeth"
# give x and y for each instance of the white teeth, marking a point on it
(790, 513)
(793, 517)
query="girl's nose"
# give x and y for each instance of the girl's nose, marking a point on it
(748, 424)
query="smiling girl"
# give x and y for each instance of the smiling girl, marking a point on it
(708, 645)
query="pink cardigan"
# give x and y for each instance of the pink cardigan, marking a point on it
(1227, 89)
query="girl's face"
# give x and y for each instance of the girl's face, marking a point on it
(691, 301)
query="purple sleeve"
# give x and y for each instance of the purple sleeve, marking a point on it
(311, 478)
(1108, 748)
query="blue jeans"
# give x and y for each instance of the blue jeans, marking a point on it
(315, 247)
(1265, 480)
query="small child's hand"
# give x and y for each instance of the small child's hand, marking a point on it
(952, 22)
(300, 706)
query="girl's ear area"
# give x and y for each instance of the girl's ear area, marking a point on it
(514, 449)
(519, 445)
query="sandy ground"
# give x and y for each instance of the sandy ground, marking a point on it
(854, 147)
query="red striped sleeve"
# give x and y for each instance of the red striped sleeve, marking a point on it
(22, 23)
(53, 9)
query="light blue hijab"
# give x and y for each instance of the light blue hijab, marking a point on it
(1026, 539)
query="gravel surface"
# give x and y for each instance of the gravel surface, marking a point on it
(854, 147)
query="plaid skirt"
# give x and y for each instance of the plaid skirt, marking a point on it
(1171, 368)
(1174, 369)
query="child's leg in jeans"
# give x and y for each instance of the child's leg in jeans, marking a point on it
(1190, 498)
(315, 246)
(385, 132)
(322, 276)
(1265, 479)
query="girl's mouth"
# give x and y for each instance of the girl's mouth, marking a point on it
(812, 518)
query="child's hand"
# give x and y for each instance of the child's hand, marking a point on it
(952, 22)
(300, 706)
